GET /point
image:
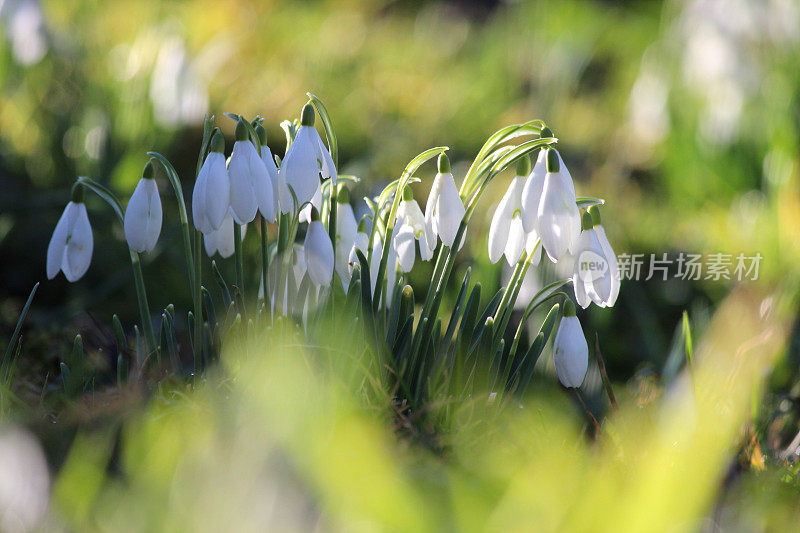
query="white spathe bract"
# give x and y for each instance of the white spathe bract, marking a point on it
(570, 352)
(346, 230)
(319, 254)
(251, 187)
(507, 235)
(559, 221)
(211, 195)
(306, 160)
(280, 192)
(221, 240)
(142, 221)
(70, 248)
(443, 211)
(410, 227)
(532, 193)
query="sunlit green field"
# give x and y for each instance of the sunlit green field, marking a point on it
(681, 115)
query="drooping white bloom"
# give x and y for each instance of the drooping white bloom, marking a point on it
(532, 192)
(280, 192)
(570, 351)
(506, 232)
(221, 240)
(444, 209)
(306, 160)
(559, 221)
(596, 272)
(251, 186)
(211, 195)
(70, 248)
(316, 202)
(319, 252)
(410, 227)
(142, 221)
(346, 230)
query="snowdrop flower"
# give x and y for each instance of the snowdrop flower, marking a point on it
(306, 159)
(142, 221)
(70, 248)
(558, 218)
(211, 195)
(221, 240)
(316, 201)
(346, 230)
(251, 186)
(596, 272)
(444, 210)
(280, 192)
(570, 351)
(532, 192)
(319, 252)
(360, 243)
(411, 228)
(506, 233)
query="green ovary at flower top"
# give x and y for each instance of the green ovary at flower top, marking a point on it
(538, 208)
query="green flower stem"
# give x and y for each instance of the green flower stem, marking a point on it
(264, 261)
(525, 315)
(332, 216)
(141, 295)
(197, 298)
(506, 307)
(237, 257)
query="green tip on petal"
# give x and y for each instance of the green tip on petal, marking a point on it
(595, 212)
(362, 224)
(444, 164)
(343, 196)
(524, 165)
(77, 194)
(218, 143)
(307, 115)
(149, 172)
(241, 131)
(262, 134)
(546, 133)
(569, 308)
(314, 214)
(407, 194)
(552, 160)
(586, 221)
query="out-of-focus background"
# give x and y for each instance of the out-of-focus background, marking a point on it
(683, 114)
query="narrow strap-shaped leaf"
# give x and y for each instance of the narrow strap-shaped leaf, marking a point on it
(455, 316)
(18, 327)
(226, 293)
(584, 201)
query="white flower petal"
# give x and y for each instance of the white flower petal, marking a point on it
(319, 254)
(449, 210)
(532, 192)
(570, 352)
(80, 243)
(142, 221)
(243, 196)
(608, 252)
(261, 182)
(58, 242)
(558, 218)
(404, 244)
(300, 167)
(516, 242)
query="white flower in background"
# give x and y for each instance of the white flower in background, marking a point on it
(346, 230)
(559, 221)
(211, 195)
(316, 201)
(280, 192)
(532, 191)
(251, 186)
(142, 221)
(444, 210)
(360, 243)
(506, 233)
(596, 272)
(306, 160)
(570, 351)
(221, 240)
(410, 227)
(319, 252)
(70, 248)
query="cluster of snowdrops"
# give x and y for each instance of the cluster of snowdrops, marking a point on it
(538, 215)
